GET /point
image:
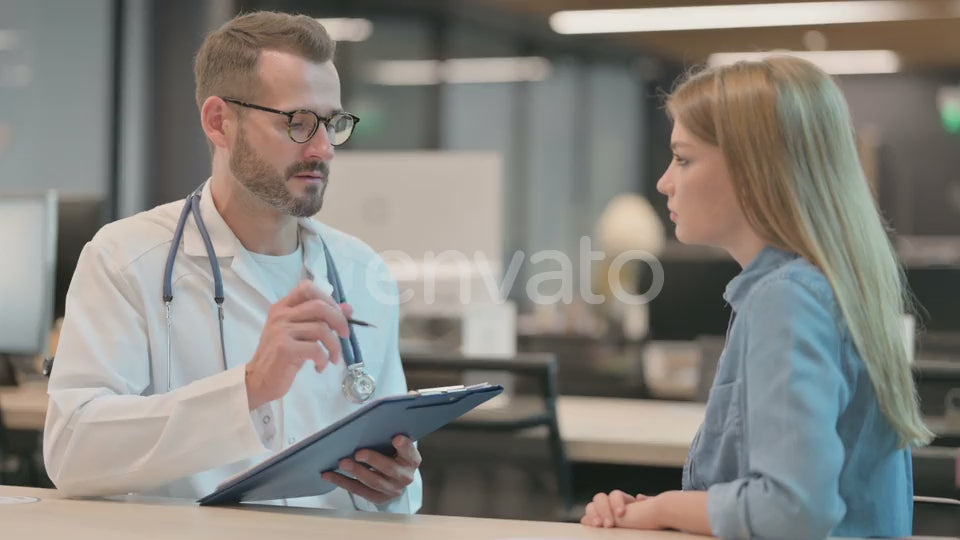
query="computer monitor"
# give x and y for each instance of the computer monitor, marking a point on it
(691, 302)
(936, 288)
(79, 220)
(437, 209)
(28, 242)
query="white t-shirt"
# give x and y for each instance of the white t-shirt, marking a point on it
(282, 273)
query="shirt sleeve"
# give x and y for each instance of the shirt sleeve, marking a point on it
(102, 436)
(794, 389)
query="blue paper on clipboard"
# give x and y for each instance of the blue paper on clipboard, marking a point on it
(295, 472)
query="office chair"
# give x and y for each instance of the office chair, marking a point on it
(499, 462)
(934, 516)
(47, 366)
(17, 467)
(8, 375)
(935, 471)
(938, 385)
(3, 449)
(935, 379)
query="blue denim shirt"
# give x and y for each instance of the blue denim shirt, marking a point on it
(794, 444)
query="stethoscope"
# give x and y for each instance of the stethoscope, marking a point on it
(357, 385)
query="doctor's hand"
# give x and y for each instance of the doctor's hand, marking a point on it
(304, 326)
(376, 477)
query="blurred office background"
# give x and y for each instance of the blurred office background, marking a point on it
(96, 103)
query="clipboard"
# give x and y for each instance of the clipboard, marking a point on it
(295, 471)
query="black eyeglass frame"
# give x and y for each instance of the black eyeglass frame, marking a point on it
(326, 121)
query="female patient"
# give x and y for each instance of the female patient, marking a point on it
(813, 408)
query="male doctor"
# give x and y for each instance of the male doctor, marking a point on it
(143, 403)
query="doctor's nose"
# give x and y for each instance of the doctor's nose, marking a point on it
(319, 147)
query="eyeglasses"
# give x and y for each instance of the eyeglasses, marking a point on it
(302, 124)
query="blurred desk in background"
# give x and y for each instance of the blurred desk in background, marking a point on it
(599, 430)
(620, 431)
(25, 406)
(628, 431)
(593, 429)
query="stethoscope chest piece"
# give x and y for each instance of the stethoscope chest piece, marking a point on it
(358, 385)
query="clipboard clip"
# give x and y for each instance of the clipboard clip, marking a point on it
(446, 389)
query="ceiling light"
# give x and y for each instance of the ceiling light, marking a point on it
(347, 29)
(458, 71)
(404, 72)
(599, 21)
(490, 70)
(832, 62)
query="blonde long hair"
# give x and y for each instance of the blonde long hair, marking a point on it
(786, 133)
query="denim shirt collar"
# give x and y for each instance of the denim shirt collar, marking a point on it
(768, 260)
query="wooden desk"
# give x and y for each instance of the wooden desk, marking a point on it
(54, 517)
(25, 406)
(628, 431)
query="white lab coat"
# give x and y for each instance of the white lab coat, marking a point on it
(113, 428)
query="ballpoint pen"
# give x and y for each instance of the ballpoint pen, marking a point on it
(361, 323)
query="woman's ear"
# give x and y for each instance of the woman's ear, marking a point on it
(216, 119)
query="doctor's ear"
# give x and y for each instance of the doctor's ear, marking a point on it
(218, 121)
